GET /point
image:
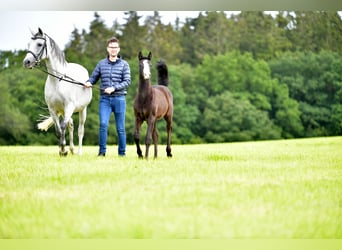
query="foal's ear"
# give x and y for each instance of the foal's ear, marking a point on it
(149, 55)
(140, 55)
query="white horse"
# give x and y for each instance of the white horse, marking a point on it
(64, 93)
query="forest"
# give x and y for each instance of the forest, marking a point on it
(243, 77)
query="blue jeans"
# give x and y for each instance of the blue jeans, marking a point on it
(117, 105)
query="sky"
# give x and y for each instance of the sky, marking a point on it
(15, 26)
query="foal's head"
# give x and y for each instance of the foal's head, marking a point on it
(145, 65)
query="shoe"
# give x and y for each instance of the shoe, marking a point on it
(102, 154)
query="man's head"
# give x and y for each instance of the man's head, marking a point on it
(113, 47)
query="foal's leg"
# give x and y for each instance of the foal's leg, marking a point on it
(136, 135)
(150, 129)
(155, 140)
(82, 119)
(169, 130)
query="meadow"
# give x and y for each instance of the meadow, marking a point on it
(282, 189)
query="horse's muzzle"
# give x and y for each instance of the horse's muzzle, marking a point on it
(28, 64)
(30, 61)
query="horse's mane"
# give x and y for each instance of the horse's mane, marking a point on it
(55, 50)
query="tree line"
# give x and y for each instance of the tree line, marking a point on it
(247, 76)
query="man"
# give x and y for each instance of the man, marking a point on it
(115, 79)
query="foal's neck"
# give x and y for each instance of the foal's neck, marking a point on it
(145, 88)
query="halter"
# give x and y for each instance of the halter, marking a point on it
(38, 57)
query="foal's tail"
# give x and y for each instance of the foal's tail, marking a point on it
(46, 123)
(163, 73)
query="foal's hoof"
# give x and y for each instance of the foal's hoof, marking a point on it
(64, 154)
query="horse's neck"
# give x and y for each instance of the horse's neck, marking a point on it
(54, 65)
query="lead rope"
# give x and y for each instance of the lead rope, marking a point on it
(62, 77)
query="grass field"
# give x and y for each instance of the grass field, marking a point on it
(268, 189)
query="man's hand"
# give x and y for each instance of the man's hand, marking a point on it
(88, 85)
(109, 90)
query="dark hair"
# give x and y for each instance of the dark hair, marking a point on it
(113, 40)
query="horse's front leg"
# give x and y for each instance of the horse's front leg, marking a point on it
(58, 128)
(136, 135)
(67, 121)
(62, 141)
(60, 132)
(71, 134)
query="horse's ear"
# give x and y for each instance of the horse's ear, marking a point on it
(140, 55)
(149, 55)
(31, 31)
(40, 31)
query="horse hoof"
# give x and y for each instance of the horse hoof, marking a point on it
(64, 154)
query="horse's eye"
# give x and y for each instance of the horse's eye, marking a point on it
(39, 44)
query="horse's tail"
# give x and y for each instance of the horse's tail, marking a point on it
(163, 73)
(46, 123)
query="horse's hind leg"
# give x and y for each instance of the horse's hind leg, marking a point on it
(82, 119)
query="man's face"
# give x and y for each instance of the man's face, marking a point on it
(113, 49)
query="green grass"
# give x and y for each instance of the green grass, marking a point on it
(268, 189)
